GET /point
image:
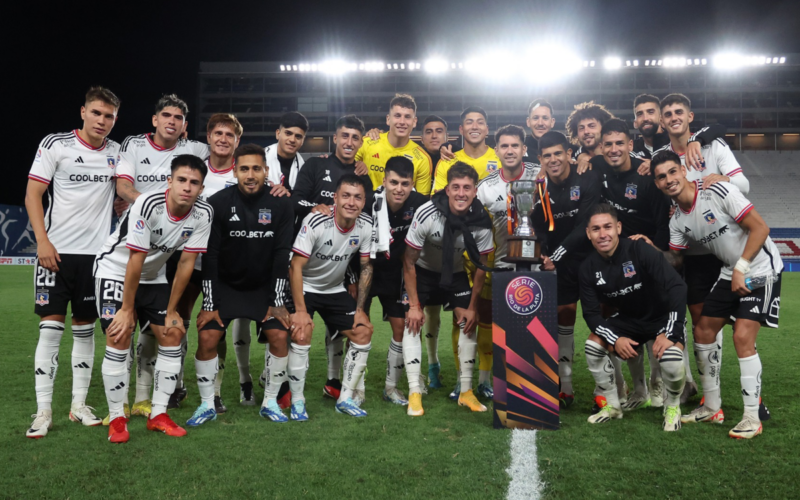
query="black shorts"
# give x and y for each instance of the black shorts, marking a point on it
(567, 281)
(73, 283)
(248, 304)
(762, 305)
(150, 304)
(700, 272)
(338, 310)
(172, 268)
(431, 293)
(642, 331)
(393, 307)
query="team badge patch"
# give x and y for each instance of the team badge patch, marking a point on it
(630, 191)
(491, 166)
(575, 193)
(38, 155)
(109, 310)
(111, 161)
(42, 298)
(303, 232)
(264, 216)
(353, 241)
(139, 224)
(405, 299)
(627, 268)
(708, 215)
(186, 233)
(408, 215)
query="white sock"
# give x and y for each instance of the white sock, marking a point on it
(618, 378)
(433, 320)
(206, 374)
(146, 349)
(82, 362)
(334, 349)
(297, 368)
(719, 343)
(636, 367)
(655, 367)
(412, 359)
(467, 347)
(708, 364)
(184, 350)
(566, 353)
(222, 352)
(275, 368)
(168, 365)
(601, 368)
(45, 361)
(672, 368)
(394, 364)
(751, 384)
(241, 346)
(354, 365)
(128, 369)
(687, 365)
(115, 380)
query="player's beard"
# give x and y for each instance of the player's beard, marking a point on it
(649, 133)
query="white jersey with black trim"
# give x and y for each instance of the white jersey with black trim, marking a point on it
(329, 249)
(713, 223)
(80, 191)
(217, 180)
(149, 227)
(494, 192)
(147, 165)
(427, 233)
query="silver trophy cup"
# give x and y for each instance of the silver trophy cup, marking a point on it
(524, 194)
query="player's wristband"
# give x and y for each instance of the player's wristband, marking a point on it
(742, 265)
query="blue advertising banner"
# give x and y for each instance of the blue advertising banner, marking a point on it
(17, 242)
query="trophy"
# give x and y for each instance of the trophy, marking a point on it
(524, 248)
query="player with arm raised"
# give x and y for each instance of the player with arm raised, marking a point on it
(453, 222)
(322, 251)
(245, 273)
(76, 170)
(130, 284)
(747, 291)
(649, 297)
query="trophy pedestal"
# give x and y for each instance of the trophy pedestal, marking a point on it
(524, 251)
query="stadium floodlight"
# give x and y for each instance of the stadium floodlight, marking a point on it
(728, 61)
(627, 63)
(697, 62)
(704, 61)
(335, 67)
(436, 65)
(647, 62)
(283, 67)
(635, 62)
(294, 67)
(591, 64)
(461, 65)
(548, 55)
(782, 60)
(314, 67)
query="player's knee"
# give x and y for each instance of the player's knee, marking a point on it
(276, 336)
(597, 340)
(303, 337)
(207, 344)
(362, 334)
(567, 314)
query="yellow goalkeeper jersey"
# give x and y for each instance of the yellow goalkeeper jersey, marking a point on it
(375, 154)
(484, 165)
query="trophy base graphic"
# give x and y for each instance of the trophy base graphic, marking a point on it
(524, 251)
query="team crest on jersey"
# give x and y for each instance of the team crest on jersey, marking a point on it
(186, 233)
(42, 298)
(628, 270)
(708, 215)
(491, 166)
(630, 191)
(264, 216)
(109, 310)
(353, 241)
(575, 193)
(111, 161)
(408, 214)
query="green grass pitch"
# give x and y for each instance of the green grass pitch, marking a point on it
(448, 453)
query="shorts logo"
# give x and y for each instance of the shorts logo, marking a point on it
(491, 166)
(405, 299)
(109, 310)
(139, 224)
(42, 298)
(408, 214)
(708, 215)
(353, 241)
(111, 161)
(524, 295)
(186, 233)
(630, 191)
(575, 193)
(264, 217)
(627, 268)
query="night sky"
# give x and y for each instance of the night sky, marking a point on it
(141, 53)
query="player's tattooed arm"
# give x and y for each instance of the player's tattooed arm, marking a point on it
(675, 258)
(126, 191)
(414, 316)
(364, 283)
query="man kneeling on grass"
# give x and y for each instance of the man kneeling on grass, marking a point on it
(649, 297)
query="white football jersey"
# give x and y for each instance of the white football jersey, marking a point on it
(217, 180)
(80, 191)
(494, 193)
(329, 249)
(149, 227)
(147, 165)
(713, 223)
(427, 233)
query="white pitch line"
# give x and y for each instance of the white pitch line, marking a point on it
(524, 469)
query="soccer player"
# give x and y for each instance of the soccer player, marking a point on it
(716, 163)
(245, 273)
(144, 166)
(283, 157)
(570, 197)
(433, 271)
(584, 125)
(747, 292)
(649, 298)
(434, 136)
(396, 202)
(130, 284)
(322, 250)
(76, 170)
(540, 121)
(402, 119)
